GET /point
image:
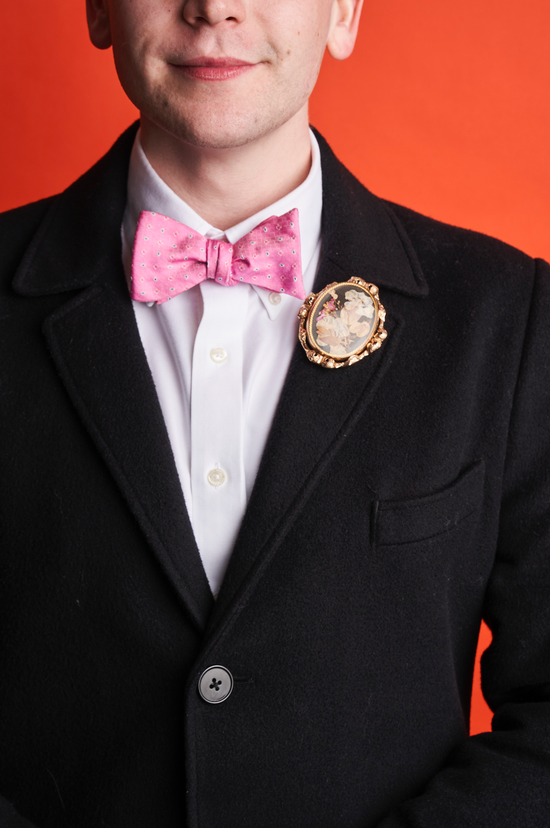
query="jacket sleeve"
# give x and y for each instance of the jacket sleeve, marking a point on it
(502, 778)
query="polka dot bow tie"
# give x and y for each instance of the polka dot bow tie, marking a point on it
(170, 258)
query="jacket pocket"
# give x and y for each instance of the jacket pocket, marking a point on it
(421, 518)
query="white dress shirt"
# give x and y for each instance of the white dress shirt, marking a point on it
(219, 356)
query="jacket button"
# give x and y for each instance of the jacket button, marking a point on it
(215, 684)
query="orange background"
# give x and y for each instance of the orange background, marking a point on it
(443, 107)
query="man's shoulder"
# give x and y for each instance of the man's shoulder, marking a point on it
(433, 236)
(17, 228)
(68, 229)
(445, 250)
(104, 183)
(440, 252)
(29, 214)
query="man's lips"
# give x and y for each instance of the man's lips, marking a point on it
(214, 69)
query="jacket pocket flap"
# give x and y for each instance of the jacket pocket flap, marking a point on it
(403, 521)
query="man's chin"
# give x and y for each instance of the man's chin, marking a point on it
(211, 132)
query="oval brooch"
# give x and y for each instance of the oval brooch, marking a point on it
(342, 323)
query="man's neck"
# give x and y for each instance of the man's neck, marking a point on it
(226, 186)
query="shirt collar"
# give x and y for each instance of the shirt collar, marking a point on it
(147, 191)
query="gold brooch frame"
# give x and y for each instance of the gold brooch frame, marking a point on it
(314, 310)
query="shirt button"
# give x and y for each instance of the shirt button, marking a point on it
(215, 684)
(218, 355)
(275, 298)
(216, 477)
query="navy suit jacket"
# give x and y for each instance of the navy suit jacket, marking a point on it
(398, 501)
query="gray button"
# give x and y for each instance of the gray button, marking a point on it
(215, 684)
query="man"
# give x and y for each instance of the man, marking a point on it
(241, 586)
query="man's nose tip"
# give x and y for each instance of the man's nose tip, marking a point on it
(213, 12)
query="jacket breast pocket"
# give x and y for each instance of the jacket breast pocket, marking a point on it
(425, 518)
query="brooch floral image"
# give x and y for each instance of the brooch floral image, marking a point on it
(342, 324)
(345, 321)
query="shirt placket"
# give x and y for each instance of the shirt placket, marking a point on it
(217, 456)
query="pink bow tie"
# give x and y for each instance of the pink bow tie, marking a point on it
(170, 257)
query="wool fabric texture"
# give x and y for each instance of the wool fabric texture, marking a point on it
(397, 503)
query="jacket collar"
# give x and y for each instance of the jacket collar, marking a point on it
(87, 218)
(383, 254)
(79, 239)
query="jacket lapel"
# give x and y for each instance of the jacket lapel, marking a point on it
(94, 341)
(361, 237)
